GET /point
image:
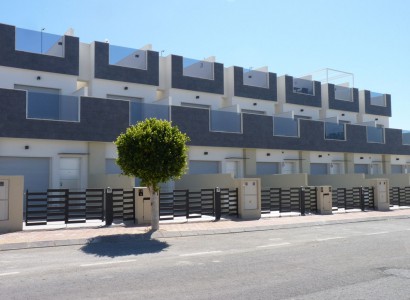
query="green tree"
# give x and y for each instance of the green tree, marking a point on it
(154, 151)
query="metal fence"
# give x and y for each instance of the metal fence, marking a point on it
(195, 204)
(73, 206)
(300, 200)
(63, 205)
(400, 196)
(354, 198)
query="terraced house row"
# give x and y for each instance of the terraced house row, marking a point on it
(64, 102)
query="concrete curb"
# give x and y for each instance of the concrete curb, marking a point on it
(181, 234)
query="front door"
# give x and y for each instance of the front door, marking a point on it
(70, 172)
(231, 167)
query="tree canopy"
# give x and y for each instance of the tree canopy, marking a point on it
(154, 151)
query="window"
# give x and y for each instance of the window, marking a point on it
(267, 168)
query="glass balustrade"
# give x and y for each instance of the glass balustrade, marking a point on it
(39, 42)
(255, 78)
(285, 127)
(56, 107)
(335, 131)
(197, 68)
(127, 57)
(303, 86)
(375, 135)
(343, 93)
(405, 135)
(225, 121)
(140, 111)
(377, 99)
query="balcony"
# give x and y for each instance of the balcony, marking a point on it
(285, 127)
(335, 131)
(39, 42)
(405, 137)
(47, 106)
(197, 68)
(303, 86)
(127, 57)
(225, 121)
(140, 111)
(375, 135)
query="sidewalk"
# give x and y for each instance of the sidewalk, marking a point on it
(81, 235)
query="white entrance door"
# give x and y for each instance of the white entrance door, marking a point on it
(336, 168)
(231, 167)
(288, 167)
(70, 172)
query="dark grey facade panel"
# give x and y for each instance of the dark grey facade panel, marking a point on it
(103, 70)
(101, 120)
(376, 109)
(302, 99)
(9, 57)
(334, 103)
(258, 133)
(104, 119)
(241, 90)
(179, 81)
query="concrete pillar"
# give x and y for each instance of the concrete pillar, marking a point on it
(142, 205)
(381, 194)
(386, 164)
(96, 159)
(349, 163)
(304, 166)
(324, 200)
(250, 162)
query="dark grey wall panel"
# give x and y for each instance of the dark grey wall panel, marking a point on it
(103, 70)
(301, 99)
(179, 81)
(9, 57)
(334, 103)
(376, 109)
(104, 119)
(241, 90)
(101, 120)
(258, 133)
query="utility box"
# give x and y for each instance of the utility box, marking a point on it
(381, 194)
(143, 205)
(324, 200)
(11, 203)
(249, 198)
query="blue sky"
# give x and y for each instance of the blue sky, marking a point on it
(369, 38)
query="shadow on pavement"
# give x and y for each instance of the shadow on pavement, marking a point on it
(123, 245)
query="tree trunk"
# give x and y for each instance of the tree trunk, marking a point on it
(154, 209)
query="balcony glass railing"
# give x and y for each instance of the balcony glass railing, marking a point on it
(39, 42)
(343, 93)
(255, 78)
(225, 121)
(375, 134)
(140, 111)
(285, 127)
(53, 107)
(377, 99)
(127, 57)
(198, 68)
(335, 131)
(405, 137)
(303, 86)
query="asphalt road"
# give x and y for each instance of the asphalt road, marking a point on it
(368, 260)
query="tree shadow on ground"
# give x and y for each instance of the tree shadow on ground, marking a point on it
(123, 245)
